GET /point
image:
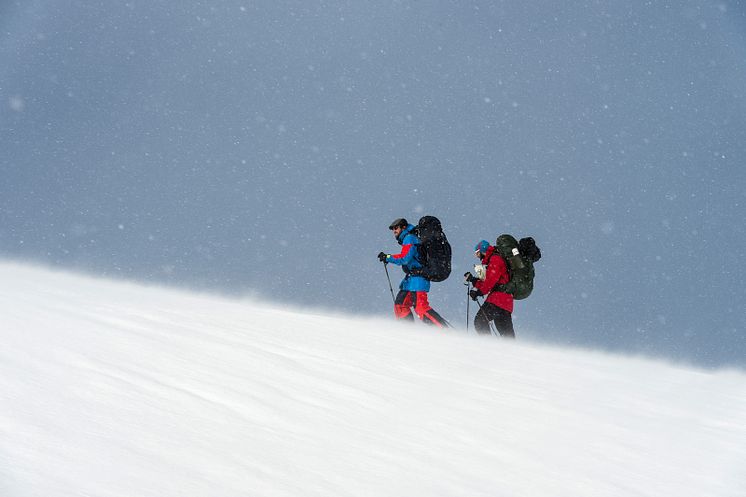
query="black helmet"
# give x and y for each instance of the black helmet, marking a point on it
(399, 222)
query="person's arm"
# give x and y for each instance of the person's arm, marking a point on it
(496, 270)
(407, 252)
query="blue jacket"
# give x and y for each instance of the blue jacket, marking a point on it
(408, 259)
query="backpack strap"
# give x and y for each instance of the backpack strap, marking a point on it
(417, 271)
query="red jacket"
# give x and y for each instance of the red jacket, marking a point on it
(497, 273)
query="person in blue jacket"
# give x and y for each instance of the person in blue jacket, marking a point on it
(413, 289)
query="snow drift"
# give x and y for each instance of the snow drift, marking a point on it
(117, 389)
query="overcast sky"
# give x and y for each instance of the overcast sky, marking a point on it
(264, 147)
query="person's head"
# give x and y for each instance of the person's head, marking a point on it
(480, 249)
(398, 226)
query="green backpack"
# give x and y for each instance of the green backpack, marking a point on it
(520, 258)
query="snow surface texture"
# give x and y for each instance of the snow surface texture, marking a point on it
(114, 389)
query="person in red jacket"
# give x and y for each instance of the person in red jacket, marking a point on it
(498, 306)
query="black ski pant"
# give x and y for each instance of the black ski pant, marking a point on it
(490, 312)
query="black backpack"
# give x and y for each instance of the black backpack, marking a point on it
(434, 250)
(519, 257)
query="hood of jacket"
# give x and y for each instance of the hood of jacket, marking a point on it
(488, 255)
(406, 231)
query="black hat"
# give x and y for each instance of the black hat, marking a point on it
(399, 222)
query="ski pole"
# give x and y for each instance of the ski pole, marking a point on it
(385, 264)
(467, 306)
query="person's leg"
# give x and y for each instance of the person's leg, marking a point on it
(426, 313)
(504, 322)
(403, 305)
(482, 320)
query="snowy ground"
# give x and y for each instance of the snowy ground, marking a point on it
(115, 389)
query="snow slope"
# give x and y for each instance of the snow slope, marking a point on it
(115, 389)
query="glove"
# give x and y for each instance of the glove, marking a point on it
(469, 277)
(474, 293)
(383, 257)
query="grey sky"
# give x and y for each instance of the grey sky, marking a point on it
(266, 146)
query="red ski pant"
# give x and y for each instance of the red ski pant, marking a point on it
(404, 302)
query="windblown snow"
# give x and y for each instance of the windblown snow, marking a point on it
(118, 389)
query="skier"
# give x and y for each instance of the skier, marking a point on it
(412, 289)
(498, 306)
